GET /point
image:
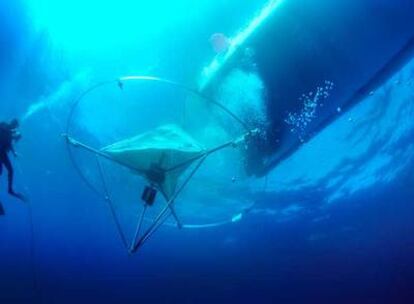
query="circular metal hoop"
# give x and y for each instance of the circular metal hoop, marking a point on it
(120, 83)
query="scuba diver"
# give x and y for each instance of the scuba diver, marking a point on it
(8, 134)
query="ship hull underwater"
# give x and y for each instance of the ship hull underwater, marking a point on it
(356, 45)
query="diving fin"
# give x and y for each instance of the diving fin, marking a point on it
(19, 196)
(1, 209)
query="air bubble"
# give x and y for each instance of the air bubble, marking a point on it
(311, 101)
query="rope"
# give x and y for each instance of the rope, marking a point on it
(32, 240)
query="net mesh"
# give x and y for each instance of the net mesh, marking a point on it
(153, 153)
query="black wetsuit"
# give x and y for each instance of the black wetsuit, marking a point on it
(6, 146)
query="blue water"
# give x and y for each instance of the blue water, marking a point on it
(331, 224)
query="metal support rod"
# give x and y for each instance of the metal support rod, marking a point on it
(237, 141)
(138, 230)
(156, 221)
(111, 207)
(160, 219)
(159, 224)
(173, 212)
(76, 143)
(169, 201)
(212, 150)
